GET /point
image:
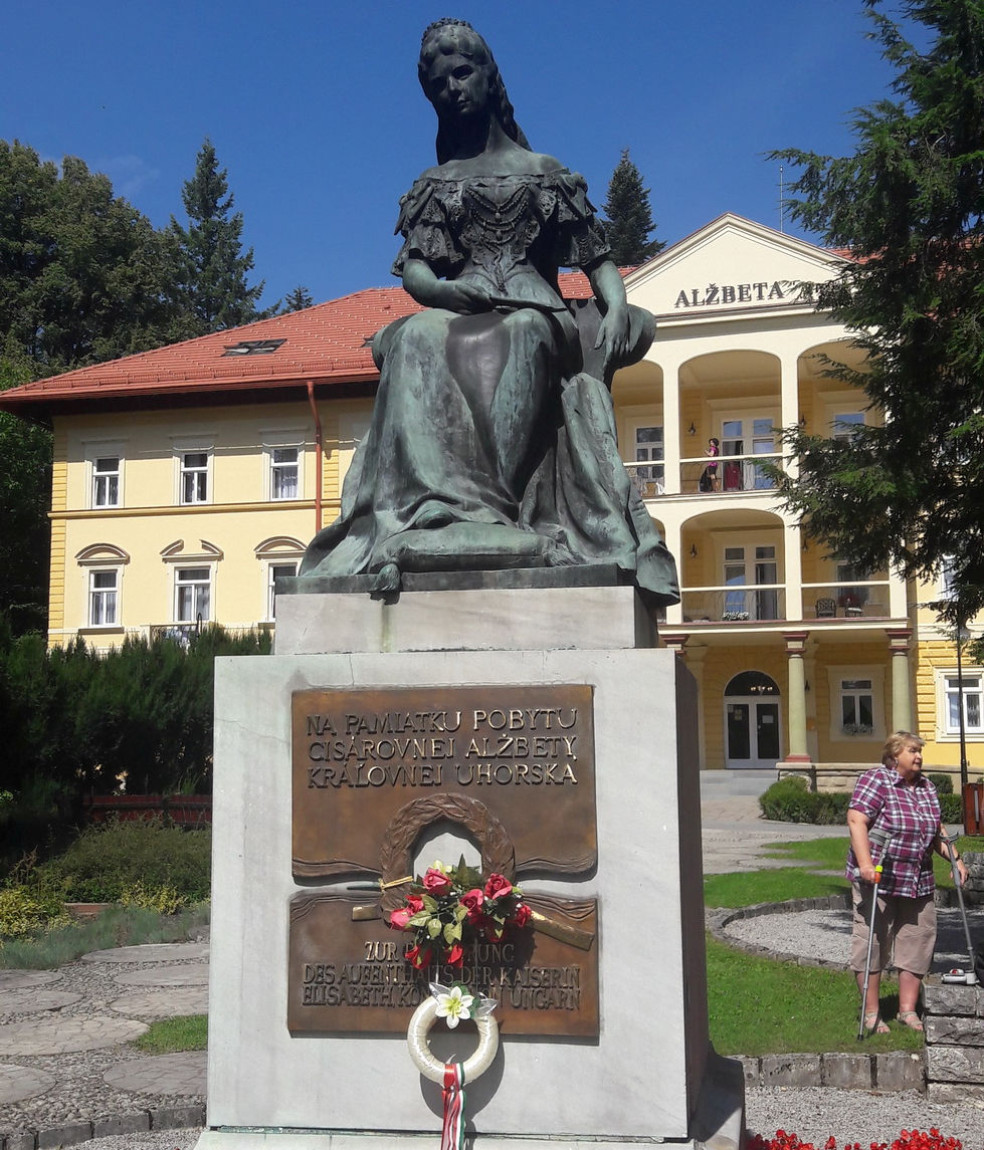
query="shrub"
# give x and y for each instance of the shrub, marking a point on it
(25, 913)
(942, 783)
(791, 801)
(951, 809)
(107, 861)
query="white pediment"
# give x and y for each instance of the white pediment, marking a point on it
(731, 266)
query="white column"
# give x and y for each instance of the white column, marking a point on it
(789, 399)
(792, 543)
(673, 538)
(671, 427)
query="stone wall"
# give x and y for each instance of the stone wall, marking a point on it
(954, 1022)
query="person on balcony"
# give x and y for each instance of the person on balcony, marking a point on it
(894, 822)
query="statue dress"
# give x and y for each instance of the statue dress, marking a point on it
(490, 445)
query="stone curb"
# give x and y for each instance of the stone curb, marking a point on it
(718, 919)
(898, 1070)
(170, 1118)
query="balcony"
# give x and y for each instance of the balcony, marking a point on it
(764, 602)
(180, 633)
(735, 474)
(863, 599)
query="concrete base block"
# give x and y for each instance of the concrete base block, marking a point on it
(846, 1071)
(949, 998)
(752, 1070)
(22, 1140)
(791, 1070)
(520, 619)
(953, 1092)
(642, 1080)
(960, 1031)
(177, 1117)
(900, 1070)
(954, 1064)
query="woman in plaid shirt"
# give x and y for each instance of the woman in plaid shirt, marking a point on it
(894, 821)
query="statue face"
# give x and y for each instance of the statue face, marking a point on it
(457, 84)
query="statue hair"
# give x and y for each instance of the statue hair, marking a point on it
(502, 109)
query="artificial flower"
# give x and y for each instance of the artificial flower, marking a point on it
(454, 1005)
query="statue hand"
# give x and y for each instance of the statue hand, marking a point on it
(613, 333)
(465, 298)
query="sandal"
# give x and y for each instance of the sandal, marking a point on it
(873, 1023)
(911, 1019)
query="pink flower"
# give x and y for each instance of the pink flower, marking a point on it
(498, 886)
(436, 882)
(414, 903)
(456, 955)
(400, 918)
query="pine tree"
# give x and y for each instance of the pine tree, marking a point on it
(909, 204)
(629, 217)
(297, 299)
(210, 264)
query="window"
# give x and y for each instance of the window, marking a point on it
(972, 708)
(740, 605)
(846, 424)
(749, 436)
(277, 571)
(284, 473)
(857, 708)
(106, 481)
(948, 578)
(649, 446)
(194, 476)
(192, 594)
(103, 587)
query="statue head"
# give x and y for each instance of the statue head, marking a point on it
(442, 42)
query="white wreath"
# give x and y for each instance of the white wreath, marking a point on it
(474, 1067)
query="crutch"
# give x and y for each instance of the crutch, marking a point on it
(970, 978)
(871, 939)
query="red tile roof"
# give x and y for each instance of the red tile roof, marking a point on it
(326, 344)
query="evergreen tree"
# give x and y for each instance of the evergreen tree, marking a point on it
(629, 217)
(297, 300)
(909, 203)
(212, 288)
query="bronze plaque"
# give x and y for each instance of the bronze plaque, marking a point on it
(514, 764)
(348, 975)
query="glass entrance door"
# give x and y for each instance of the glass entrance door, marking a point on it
(751, 717)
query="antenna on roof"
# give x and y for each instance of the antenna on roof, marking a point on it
(781, 202)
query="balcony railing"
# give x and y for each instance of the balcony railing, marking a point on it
(867, 599)
(762, 602)
(727, 474)
(180, 633)
(733, 474)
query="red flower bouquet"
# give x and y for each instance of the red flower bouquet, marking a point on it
(450, 908)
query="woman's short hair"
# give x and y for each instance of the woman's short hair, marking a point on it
(898, 742)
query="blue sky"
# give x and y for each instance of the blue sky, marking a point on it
(315, 110)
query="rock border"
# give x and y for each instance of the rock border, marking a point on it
(893, 1071)
(136, 1122)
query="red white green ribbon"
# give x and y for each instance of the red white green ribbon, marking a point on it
(453, 1131)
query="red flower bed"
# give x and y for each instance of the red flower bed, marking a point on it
(907, 1140)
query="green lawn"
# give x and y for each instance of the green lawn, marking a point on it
(187, 1032)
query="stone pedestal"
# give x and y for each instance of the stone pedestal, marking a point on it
(650, 1074)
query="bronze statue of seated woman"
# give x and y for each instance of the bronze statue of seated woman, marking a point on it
(492, 443)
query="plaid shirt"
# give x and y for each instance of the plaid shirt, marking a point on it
(904, 822)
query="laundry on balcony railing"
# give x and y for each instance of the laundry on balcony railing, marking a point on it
(727, 474)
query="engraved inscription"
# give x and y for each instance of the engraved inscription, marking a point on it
(360, 755)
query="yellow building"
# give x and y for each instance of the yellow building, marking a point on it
(187, 479)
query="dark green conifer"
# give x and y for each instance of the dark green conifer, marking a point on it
(628, 216)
